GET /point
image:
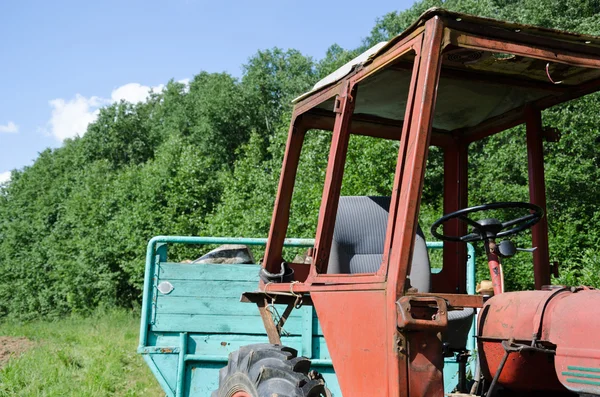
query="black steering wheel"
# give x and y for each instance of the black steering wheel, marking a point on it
(490, 228)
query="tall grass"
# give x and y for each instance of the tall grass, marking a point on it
(79, 356)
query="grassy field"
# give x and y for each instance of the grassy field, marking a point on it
(93, 356)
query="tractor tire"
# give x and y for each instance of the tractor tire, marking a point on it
(265, 370)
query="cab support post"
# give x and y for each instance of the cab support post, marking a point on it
(455, 198)
(343, 108)
(408, 369)
(537, 195)
(281, 212)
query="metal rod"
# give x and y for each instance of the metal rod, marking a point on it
(490, 392)
(224, 359)
(146, 297)
(179, 389)
(288, 242)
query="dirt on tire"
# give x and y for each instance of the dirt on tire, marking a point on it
(11, 347)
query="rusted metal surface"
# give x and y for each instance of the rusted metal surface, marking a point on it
(452, 278)
(356, 332)
(333, 177)
(267, 318)
(571, 325)
(339, 283)
(399, 47)
(512, 316)
(526, 50)
(425, 371)
(455, 301)
(318, 98)
(416, 150)
(537, 195)
(281, 212)
(408, 363)
(364, 124)
(271, 297)
(397, 358)
(522, 33)
(409, 186)
(301, 270)
(495, 267)
(557, 324)
(395, 197)
(531, 371)
(422, 313)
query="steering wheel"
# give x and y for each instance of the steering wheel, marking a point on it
(490, 228)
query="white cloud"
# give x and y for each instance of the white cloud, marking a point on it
(133, 92)
(10, 128)
(70, 118)
(4, 177)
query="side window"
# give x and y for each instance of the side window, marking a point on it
(362, 216)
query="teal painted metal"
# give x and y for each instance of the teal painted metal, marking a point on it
(583, 382)
(581, 375)
(179, 392)
(451, 363)
(187, 334)
(150, 261)
(586, 369)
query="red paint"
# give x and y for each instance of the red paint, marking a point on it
(281, 213)
(409, 186)
(560, 320)
(522, 372)
(495, 267)
(426, 365)
(572, 325)
(333, 177)
(358, 313)
(356, 339)
(537, 195)
(452, 279)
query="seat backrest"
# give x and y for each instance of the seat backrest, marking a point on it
(359, 237)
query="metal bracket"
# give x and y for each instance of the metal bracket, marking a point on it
(263, 300)
(272, 331)
(337, 105)
(422, 313)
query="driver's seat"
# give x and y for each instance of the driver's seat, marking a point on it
(357, 247)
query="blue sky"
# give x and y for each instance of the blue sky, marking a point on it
(61, 60)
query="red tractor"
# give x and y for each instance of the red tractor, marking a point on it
(447, 81)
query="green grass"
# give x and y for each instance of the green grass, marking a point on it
(77, 356)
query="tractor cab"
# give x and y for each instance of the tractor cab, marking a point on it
(447, 81)
(388, 315)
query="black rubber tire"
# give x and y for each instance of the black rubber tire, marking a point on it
(265, 370)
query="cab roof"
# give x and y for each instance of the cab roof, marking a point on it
(475, 85)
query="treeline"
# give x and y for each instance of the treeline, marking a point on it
(204, 159)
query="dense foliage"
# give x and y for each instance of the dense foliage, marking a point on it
(205, 160)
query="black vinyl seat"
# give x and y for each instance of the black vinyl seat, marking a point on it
(357, 247)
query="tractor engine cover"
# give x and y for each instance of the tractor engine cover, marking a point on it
(563, 326)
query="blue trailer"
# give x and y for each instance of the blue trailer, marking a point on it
(192, 318)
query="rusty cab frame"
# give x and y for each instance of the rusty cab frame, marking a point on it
(398, 355)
